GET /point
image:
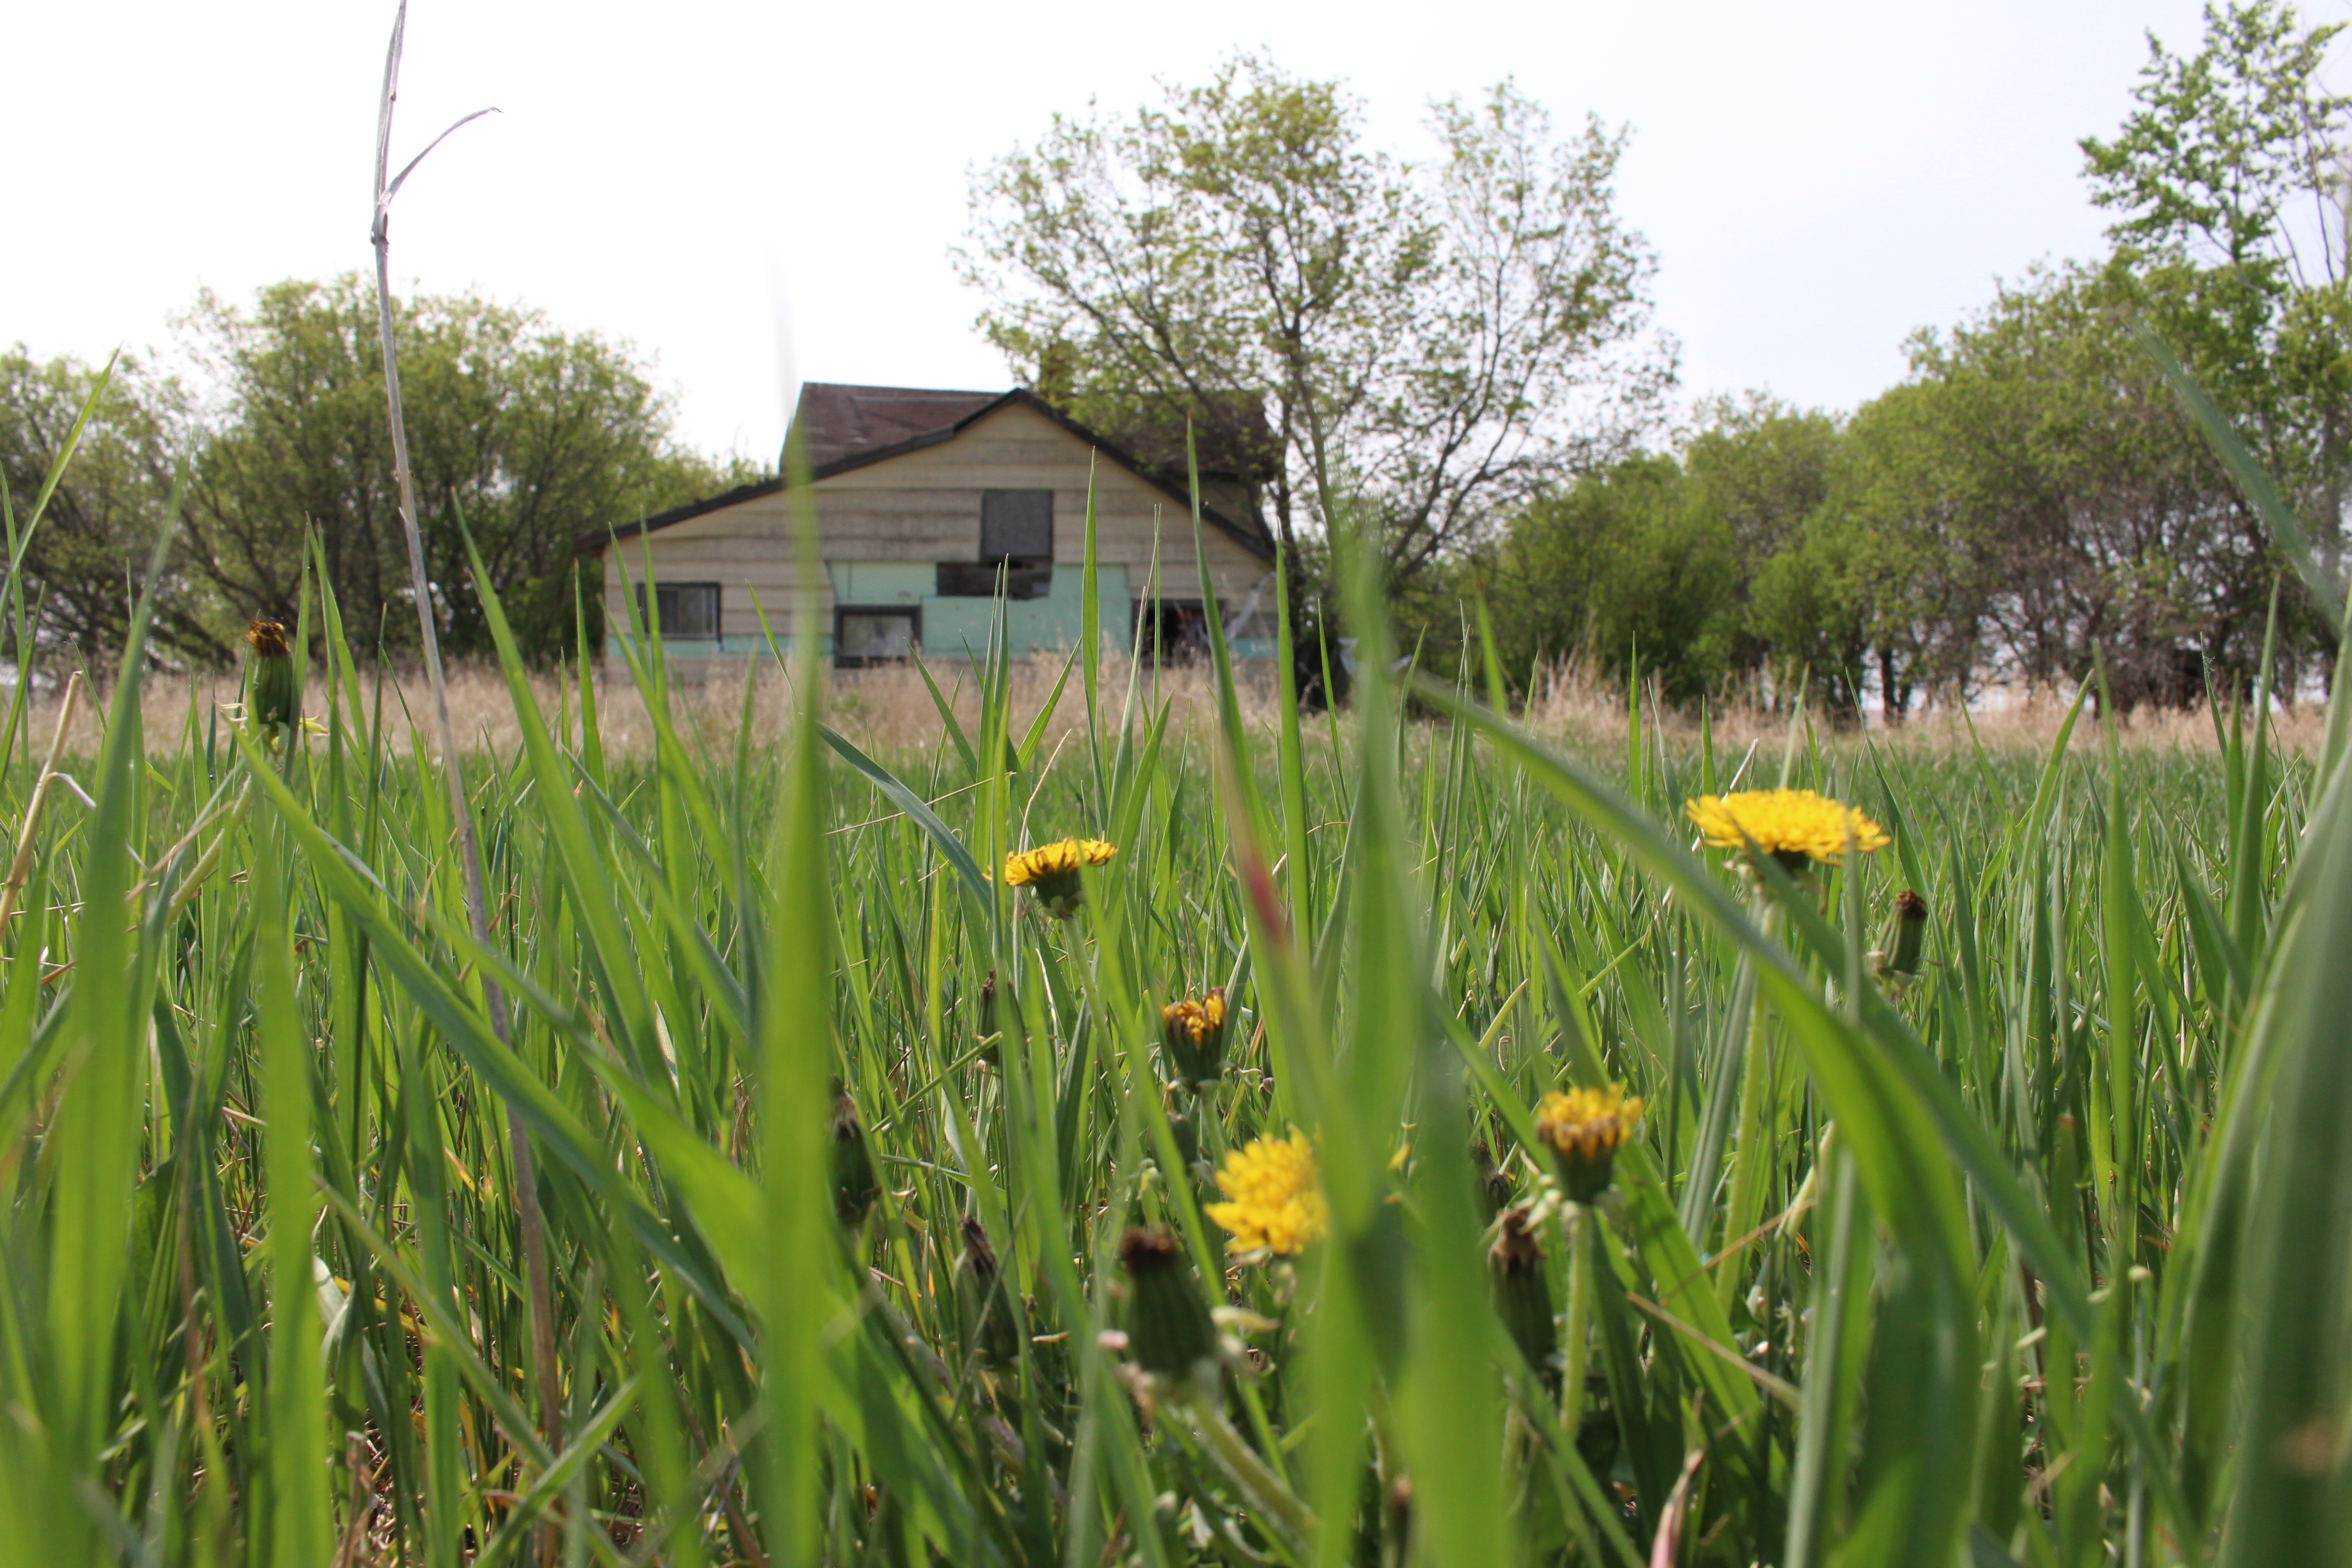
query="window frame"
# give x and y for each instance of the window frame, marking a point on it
(654, 591)
(912, 614)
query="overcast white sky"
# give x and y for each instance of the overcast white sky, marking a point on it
(1818, 176)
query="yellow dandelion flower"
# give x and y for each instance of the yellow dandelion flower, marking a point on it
(1276, 1196)
(1196, 1021)
(1584, 1127)
(1792, 826)
(1194, 1033)
(1051, 871)
(267, 641)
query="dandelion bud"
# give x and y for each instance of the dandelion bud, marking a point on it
(1522, 1296)
(1194, 1033)
(1584, 1129)
(1169, 1330)
(983, 1316)
(1896, 962)
(991, 1053)
(854, 1188)
(272, 697)
(1910, 933)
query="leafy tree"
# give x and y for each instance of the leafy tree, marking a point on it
(1438, 344)
(2234, 158)
(525, 434)
(2030, 497)
(1874, 587)
(1626, 570)
(94, 539)
(1655, 558)
(2229, 185)
(1761, 467)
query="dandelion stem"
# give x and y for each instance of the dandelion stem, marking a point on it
(1275, 1503)
(1575, 1219)
(1756, 1084)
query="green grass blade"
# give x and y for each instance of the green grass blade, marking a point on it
(296, 1389)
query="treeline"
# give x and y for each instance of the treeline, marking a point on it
(2034, 498)
(2031, 499)
(270, 421)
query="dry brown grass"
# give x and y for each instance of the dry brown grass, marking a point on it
(886, 710)
(1577, 711)
(889, 711)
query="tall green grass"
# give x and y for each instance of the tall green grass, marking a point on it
(2046, 1261)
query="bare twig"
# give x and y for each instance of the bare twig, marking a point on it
(534, 1237)
(21, 869)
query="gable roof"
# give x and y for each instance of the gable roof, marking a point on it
(846, 427)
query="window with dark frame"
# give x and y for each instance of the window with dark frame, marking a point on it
(1016, 548)
(688, 610)
(885, 635)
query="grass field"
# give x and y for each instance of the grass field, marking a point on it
(777, 1184)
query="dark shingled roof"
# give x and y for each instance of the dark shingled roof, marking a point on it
(839, 421)
(849, 427)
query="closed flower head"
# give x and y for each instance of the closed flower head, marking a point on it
(1795, 826)
(1584, 1127)
(271, 698)
(1276, 1197)
(1195, 1036)
(983, 1312)
(854, 1188)
(1521, 1295)
(1896, 960)
(1168, 1324)
(1051, 872)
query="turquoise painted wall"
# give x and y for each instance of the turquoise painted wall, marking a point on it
(1031, 625)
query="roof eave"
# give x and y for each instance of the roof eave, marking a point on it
(594, 542)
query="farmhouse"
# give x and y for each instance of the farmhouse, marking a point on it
(925, 502)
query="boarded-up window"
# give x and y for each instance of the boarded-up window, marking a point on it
(686, 609)
(1016, 526)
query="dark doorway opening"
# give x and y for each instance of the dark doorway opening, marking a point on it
(1171, 631)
